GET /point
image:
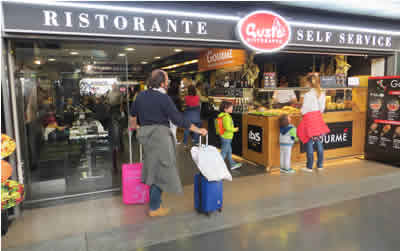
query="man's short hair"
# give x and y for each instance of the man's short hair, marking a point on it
(156, 78)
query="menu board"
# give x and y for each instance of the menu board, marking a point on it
(383, 120)
(269, 79)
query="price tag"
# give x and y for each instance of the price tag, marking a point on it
(354, 81)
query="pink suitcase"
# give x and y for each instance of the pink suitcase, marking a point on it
(133, 190)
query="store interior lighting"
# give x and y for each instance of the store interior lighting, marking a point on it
(130, 49)
(178, 50)
(37, 61)
(144, 62)
(157, 57)
(52, 59)
(121, 55)
(74, 53)
(180, 64)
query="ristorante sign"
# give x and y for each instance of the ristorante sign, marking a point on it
(74, 19)
(261, 31)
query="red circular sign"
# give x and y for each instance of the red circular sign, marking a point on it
(264, 31)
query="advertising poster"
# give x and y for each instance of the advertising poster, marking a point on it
(383, 120)
(340, 136)
(255, 138)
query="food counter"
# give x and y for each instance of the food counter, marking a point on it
(261, 137)
(259, 129)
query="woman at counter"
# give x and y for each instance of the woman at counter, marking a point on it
(312, 125)
(282, 98)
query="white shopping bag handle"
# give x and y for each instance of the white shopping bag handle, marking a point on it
(206, 140)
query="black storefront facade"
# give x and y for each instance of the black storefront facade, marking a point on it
(143, 24)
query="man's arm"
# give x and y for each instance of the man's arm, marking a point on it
(133, 123)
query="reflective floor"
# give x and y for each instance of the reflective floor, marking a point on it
(367, 224)
(64, 169)
(268, 211)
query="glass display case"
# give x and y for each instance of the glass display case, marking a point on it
(262, 101)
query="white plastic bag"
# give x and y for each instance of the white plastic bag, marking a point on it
(210, 163)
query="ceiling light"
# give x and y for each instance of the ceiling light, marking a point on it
(130, 49)
(121, 55)
(180, 64)
(37, 61)
(74, 53)
(157, 57)
(144, 62)
(52, 59)
(178, 50)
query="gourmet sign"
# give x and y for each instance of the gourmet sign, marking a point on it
(264, 31)
(221, 58)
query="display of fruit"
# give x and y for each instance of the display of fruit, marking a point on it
(277, 112)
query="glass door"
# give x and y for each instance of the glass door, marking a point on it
(74, 113)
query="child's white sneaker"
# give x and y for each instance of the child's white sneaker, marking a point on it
(291, 170)
(236, 166)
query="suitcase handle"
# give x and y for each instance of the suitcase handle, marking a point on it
(206, 141)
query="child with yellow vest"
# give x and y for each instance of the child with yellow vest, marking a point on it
(225, 128)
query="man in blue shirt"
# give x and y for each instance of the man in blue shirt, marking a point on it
(151, 113)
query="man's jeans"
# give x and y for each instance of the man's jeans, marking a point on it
(155, 197)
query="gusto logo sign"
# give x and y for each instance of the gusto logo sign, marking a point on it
(264, 31)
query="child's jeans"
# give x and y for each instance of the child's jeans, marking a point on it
(226, 151)
(286, 152)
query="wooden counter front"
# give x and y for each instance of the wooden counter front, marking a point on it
(269, 156)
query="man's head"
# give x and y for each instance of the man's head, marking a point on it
(158, 79)
(283, 82)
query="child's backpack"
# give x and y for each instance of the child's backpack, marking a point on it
(219, 126)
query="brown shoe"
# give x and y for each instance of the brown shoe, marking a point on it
(159, 212)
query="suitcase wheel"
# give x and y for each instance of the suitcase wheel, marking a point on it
(220, 210)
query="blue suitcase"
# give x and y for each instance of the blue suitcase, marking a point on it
(208, 195)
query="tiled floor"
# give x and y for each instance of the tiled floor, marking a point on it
(366, 224)
(105, 218)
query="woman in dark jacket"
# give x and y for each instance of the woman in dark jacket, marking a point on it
(173, 93)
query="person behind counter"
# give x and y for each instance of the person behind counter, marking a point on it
(283, 98)
(312, 125)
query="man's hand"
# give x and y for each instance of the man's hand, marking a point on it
(202, 131)
(236, 129)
